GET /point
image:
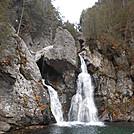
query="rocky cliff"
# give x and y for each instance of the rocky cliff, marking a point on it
(23, 100)
(113, 81)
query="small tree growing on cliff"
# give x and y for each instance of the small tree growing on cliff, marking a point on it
(71, 28)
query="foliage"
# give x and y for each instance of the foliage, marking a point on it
(112, 20)
(40, 17)
(71, 28)
(109, 16)
(4, 26)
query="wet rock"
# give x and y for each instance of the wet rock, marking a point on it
(65, 85)
(70, 79)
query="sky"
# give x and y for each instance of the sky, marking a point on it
(71, 9)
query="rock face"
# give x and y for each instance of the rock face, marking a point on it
(62, 56)
(58, 66)
(23, 99)
(113, 86)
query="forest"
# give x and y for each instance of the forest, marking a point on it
(111, 21)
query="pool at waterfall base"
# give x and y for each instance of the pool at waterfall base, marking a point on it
(108, 128)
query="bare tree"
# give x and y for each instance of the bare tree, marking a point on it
(22, 12)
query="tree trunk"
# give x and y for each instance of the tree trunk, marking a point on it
(18, 31)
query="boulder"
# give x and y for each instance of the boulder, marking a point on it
(58, 64)
(62, 56)
(105, 117)
(4, 127)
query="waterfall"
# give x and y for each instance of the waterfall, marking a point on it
(55, 104)
(82, 107)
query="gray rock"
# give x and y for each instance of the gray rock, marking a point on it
(63, 55)
(132, 116)
(105, 117)
(37, 43)
(30, 69)
(4, 126)
(23, 99)
(69, 79)
(107, 68)
(107, 86)
(124, 84)
(95, 58)
(20, 59)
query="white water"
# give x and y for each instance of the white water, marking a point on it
(83, 108)
(55, 104)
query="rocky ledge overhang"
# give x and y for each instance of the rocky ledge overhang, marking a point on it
(63, 54)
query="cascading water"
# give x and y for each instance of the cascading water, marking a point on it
(55, 104)
(82, 107)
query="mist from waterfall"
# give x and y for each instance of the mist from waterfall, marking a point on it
(82, 107)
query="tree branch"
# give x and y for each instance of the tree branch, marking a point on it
(21, 17)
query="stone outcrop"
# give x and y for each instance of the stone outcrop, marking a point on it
(23, 99)
(62, 55)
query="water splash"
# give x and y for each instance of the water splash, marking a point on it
(83, 108)
(55, 104)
